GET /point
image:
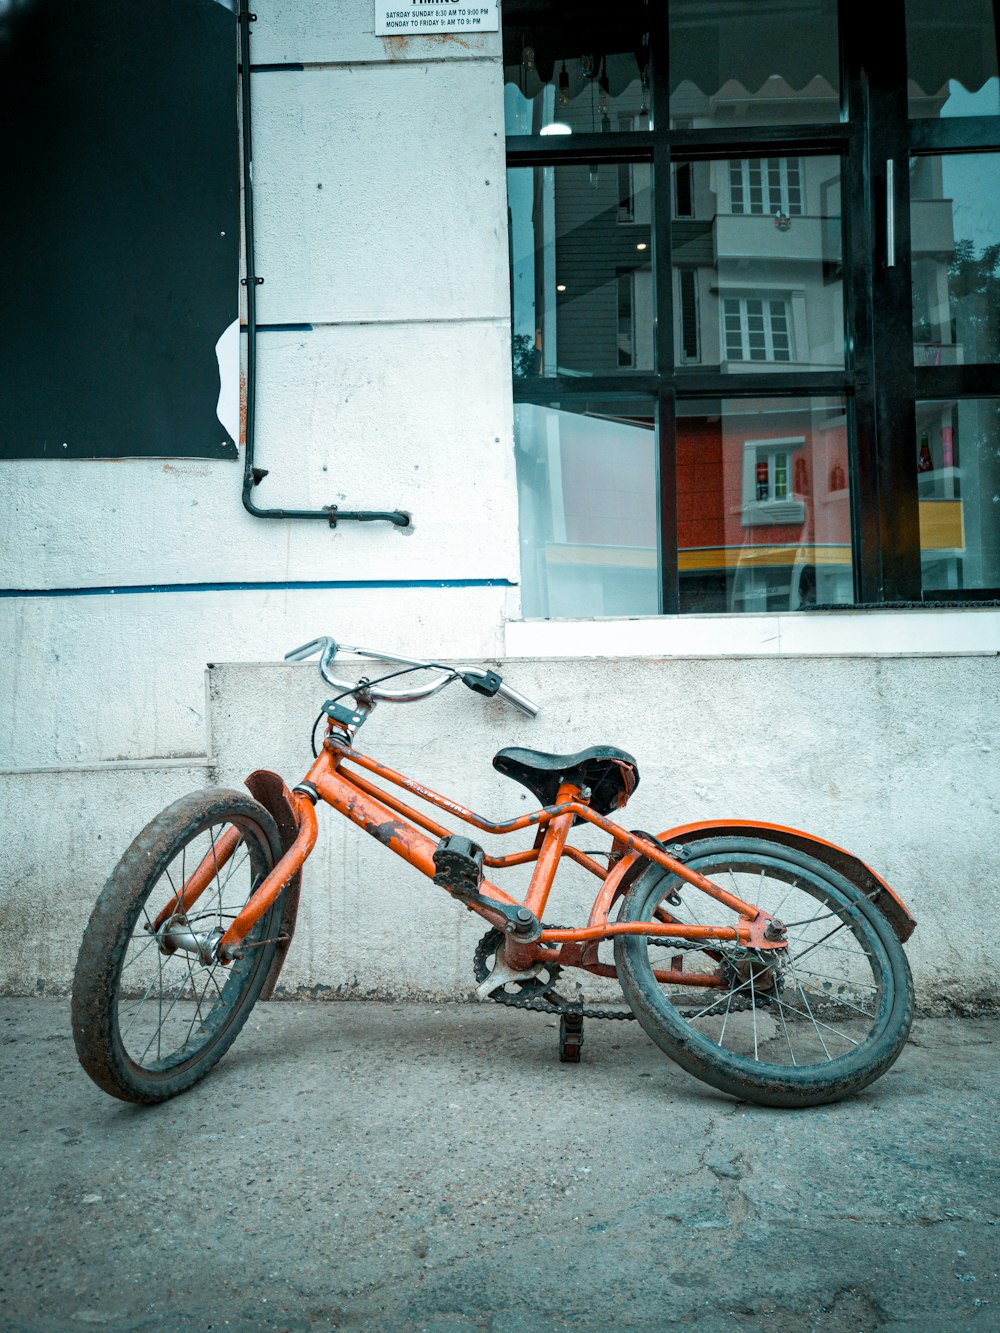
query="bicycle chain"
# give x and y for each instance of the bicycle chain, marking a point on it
(560, 1004)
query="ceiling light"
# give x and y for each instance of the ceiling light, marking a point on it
(642, 246)
(557, 127)
(560, 286)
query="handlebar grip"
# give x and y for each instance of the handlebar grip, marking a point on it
(519, 701)
(308, 649)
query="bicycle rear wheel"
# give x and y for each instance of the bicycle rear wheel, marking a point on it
(151, 1018)
(798, 1027)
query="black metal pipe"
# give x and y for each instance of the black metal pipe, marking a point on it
(251, 475)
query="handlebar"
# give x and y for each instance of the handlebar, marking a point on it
(327, 648)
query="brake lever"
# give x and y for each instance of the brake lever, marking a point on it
(483, 682)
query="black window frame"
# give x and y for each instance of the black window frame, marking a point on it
(879, 382)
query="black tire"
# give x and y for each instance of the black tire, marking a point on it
(149, 1023)
(832, 1018)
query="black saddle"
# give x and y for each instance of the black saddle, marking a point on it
(612, 775)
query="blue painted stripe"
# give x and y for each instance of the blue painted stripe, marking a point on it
(319, 585)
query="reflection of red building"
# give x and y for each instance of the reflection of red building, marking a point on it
(762, 513)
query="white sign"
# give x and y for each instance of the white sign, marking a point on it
(404, 18)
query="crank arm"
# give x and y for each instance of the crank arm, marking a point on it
(519, 921)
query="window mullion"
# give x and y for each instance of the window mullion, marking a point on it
(665, 357)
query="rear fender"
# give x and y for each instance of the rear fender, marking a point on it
(274, 796)
(853, 869)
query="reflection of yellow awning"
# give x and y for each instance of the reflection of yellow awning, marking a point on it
(763, 557)
(942, 526)
(701, 557)
(619, 557)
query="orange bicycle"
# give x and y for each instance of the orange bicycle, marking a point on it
(765, 961)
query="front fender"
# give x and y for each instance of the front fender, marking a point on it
(274, 796)
(852, 868)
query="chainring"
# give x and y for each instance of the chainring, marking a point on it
(538, 993)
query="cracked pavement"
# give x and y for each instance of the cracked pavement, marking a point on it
(366, 1165)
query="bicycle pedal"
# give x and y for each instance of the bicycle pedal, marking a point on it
(570, 1038)
(458, 865)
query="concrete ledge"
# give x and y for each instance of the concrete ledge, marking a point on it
(767, 634)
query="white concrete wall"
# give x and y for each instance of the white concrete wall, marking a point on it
(399, 397)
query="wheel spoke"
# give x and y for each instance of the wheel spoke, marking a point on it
(784, 1028)
(817, 1023)
(139, 1003)
(791, 889)
(827, 936)
(725, 1018)
(150, 943)
(196, 1017)
(839, 981)
(715, 1003)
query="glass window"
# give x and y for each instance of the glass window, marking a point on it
(756, 329)
(770, 185)
(958, 485)
(764, 239)
(587, 483)
(955, 238)
(581, 281)
(735, 63)
(688, 334)
(951, 55)
(763, 507)
(762, 345)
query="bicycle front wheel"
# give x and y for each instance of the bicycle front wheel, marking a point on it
(797, 1027)
(150, 1018)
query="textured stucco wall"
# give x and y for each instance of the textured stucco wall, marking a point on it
(893, 758)
(381, 222)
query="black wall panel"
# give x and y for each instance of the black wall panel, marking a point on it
(119, 225)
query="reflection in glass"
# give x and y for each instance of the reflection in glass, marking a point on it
(774, 64)
(590, 74)
(958, 487)
(587, 485)
(763, 504)
(758, 277)
(582, 290)
(955, 237)
(951, 55)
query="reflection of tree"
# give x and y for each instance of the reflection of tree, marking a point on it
(975, 286)
(524, 355)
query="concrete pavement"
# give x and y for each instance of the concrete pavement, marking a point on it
(413, 1167)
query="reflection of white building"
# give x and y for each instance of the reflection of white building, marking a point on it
(758, 263)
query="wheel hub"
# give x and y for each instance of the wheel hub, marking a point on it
(176, 933)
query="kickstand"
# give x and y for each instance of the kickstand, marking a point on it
(571, 1032)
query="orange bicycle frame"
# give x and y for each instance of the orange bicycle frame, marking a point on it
(386, 817)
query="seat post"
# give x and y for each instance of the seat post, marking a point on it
(553, 842)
